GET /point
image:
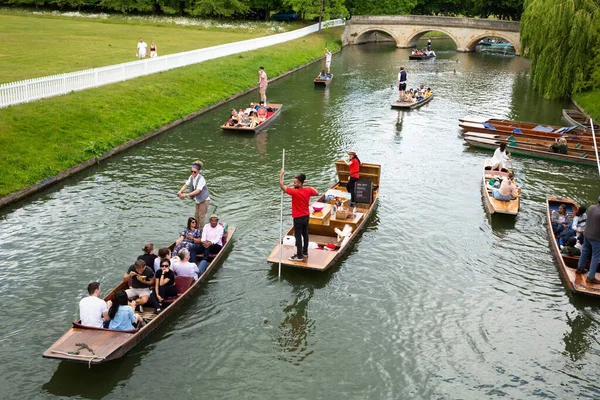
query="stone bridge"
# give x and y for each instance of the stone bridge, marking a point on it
(405, 30)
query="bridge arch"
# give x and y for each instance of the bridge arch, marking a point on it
(474, 40)
(417, 35)
(361, 36)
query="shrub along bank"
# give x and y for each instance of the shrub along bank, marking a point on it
(590, 102)
(40, 139)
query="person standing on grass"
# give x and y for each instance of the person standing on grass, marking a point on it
(141, 49)
(199, 192)
(153, 51)
(262, 84)
(300, 212)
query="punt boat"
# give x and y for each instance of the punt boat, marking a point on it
(323, 81)
(420, 56)
(495, 206)
(518, 128)
(577, 118)
(325, 226)
(568, 264)
(271, 115)
(411, 106)
(575, 146)
(529, 150)
(97, 345)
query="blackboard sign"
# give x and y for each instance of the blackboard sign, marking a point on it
(363, 192)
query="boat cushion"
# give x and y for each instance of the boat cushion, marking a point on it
(489, 126)
(517, 130)
(182, 283)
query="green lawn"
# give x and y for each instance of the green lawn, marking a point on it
(590, 101)
(42, 138)
(33, 46)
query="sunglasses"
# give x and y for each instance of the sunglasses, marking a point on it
(165, 266)
(194, 172)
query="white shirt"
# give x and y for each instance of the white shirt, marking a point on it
(499, 156)
(328, 57)
(90, 311)
(213, 235)
(200, 183)
(142, 47)
(186, 269)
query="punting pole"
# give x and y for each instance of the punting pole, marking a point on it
(281, 218)
(595, 145)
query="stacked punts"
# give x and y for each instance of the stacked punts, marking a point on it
(404, 105)
(97, 345)
(577, 118)
(568, 264)
(271, 115)
(334, 232)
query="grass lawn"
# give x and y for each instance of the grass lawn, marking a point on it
(33, 46)
(40, 139)
(590, 101)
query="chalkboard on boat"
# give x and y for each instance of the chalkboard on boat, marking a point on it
(363, 192)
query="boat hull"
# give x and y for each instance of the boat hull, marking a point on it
(412, 106)
(323, 82)
(258, 128)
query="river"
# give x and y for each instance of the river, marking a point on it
(435, 300)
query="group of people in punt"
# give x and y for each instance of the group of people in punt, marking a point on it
(425, 52)
(414, 95)
(152, 277)
(250, 117)
(579, 236)
(508, 189)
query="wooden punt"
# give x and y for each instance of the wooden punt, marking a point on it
(411, 106)
(492, 205)
(420, 57)
(577, 118)
(506, 123)
(323, 82)
(568, 264)
(575, 146)
(570, 133)
(533, 151)
(259, 127)
(108, 344)
(322, 225)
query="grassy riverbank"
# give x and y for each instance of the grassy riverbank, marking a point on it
(46, 44)
(590, 101)
(40, 139)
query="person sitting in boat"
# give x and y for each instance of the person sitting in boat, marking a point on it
(93, 311)
(501, 156)
(250, 108)
(212, 237)
(142, 279)
(254, 121)
(189, 238)
(428, 92)
(414, 52)
(148, 257)
(244, 118)
(164, 284)
(162, 253)
(122, 315)
(560, 146)
(576, 228)
(262, 113)
(508, 189)
(234, 119)
(569, 249)
(559, 219)
(184, 267)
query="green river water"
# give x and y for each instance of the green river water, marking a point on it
(435, 301)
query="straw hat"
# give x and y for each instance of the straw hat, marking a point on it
(214, 216)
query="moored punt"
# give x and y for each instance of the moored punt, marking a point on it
(575, 146)
(534, 151)
(271, 115)
(410, 106)
(577, 118)
(571, 133)
(493, 205)
(568, 264)
(323, 81)
(97, 345)
(322, 225)
(506, 124)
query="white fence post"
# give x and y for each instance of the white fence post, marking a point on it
(21, 92)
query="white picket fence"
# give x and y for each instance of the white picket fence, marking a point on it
(55, 85)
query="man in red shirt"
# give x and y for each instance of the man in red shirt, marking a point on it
(300, 201)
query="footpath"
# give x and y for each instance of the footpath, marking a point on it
(46, 141)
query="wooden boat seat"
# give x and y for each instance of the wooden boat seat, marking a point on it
(182, 283)
(77, 324)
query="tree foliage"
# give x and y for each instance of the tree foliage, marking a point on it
(380, 7)
(560, 37)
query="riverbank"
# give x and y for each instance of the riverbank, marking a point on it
(33, 45)
(590, 102)
(44, 138)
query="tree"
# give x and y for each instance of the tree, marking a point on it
(217, 8)
(560, 37)
(380, 7)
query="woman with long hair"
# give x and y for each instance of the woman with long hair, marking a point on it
(122, 315)
(164, 286)
(354, 164)
(189, 238)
